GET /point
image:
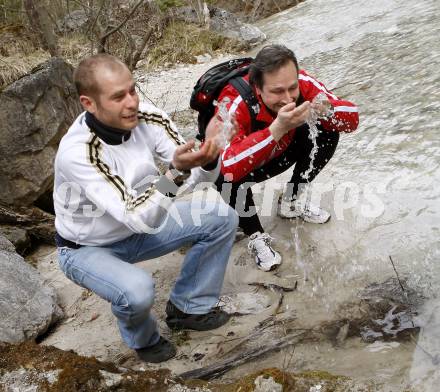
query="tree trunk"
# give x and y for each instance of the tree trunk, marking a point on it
(39, 18)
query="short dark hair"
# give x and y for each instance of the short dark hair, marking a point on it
(84, 75)
(270, 58)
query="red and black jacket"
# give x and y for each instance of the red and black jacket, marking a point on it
(251, 149)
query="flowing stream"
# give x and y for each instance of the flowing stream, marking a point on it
(382, 185)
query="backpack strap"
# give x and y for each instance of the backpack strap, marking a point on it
(248, 96)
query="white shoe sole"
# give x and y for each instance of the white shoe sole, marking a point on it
(272, 267)
(309, 220)
(305, 218)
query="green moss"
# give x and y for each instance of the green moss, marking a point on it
(82, 374)
(321, 375)
(165, 4)
(247, 383)
(279, 376)
(301, 382)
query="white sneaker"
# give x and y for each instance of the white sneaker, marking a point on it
(266, 258)
(306, 211)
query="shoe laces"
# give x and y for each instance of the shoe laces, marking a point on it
(261, 245)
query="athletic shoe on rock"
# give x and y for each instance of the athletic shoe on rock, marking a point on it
(304, 210)
(266, 258)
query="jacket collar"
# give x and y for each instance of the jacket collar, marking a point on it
(109, 135)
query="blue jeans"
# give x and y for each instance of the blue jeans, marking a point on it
(109, 272)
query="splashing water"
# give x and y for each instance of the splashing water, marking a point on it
(223, 112)
(298, 251)
(322, 103)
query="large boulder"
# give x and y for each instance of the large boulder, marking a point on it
(6, 245)
(227, 24)
(27, 306)
(223, 23)
(24, 225)
(252, 10)
(35, 112)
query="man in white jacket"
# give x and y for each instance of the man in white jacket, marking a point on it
(113, 209)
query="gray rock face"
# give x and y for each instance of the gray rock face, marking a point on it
(35, 112)
(6, 245)
(227, 24)
(74, 21)
(27, 306)
(18, 236)
(224, 23)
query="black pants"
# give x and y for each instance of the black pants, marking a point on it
(298, 154)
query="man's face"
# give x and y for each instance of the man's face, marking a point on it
(117, 102)
(280, 87)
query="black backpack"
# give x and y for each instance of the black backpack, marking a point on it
(211, 83)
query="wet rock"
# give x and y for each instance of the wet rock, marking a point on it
(384, 311)
(379, 346)
(392, 291)
(342, 334)
(245, 303)
(35, 112)
(424, 373)
(393, 307)
(27, 306)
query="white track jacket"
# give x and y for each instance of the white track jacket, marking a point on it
(104, 193)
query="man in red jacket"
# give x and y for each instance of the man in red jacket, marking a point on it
(285, 96)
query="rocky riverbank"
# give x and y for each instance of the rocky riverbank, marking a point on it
(83, 351)
(321, 310)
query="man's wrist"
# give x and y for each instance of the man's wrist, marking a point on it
(276, 130)
(211, 165)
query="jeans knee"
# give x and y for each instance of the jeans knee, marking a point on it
(232, 218)
(140, 295)
(228, 221)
